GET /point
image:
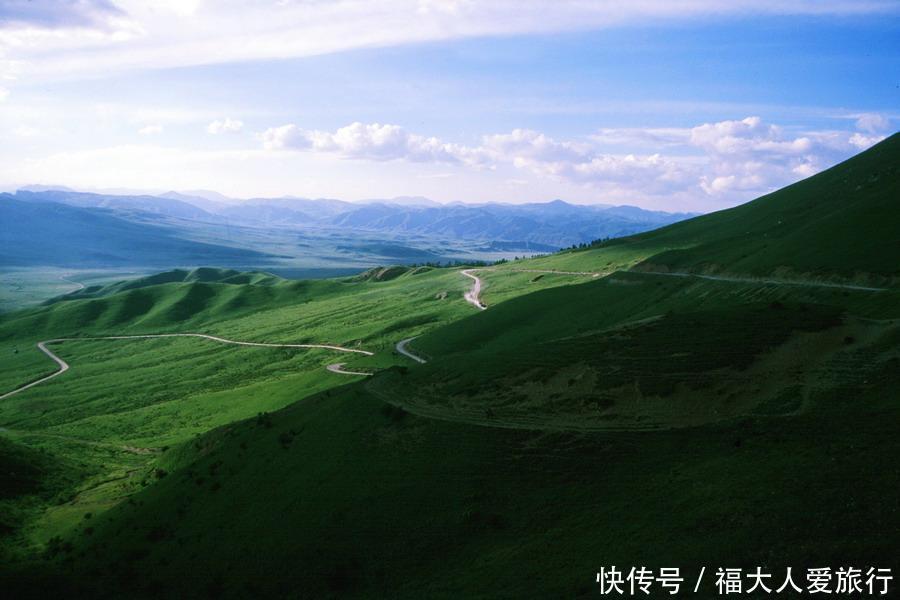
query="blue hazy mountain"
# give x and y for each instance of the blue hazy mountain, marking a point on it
(182, 229)
(160, 205)
(43, 232)
(553, 224)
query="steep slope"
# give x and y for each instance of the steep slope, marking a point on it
(635, 419)
(340, 496)
(639, 349)
(843, 223)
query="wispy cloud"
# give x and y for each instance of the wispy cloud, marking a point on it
(372, 141)
(226, 125)
(73, 37)
(873, 123)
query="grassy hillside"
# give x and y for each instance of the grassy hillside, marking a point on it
(662, 352)
(203, 275)
(842, 224)
(339, 496)
(578, 422)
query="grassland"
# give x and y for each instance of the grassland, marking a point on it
(631, 418)
(836, 226)
(24, 287)
(357, 500)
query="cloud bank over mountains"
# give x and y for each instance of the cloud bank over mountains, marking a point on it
(746, 155)
(623, 101)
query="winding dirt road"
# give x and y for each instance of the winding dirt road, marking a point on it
(64, 366)
(339, 368)
(822, 284)
(79, 286)
(473, 296)
(401, 348)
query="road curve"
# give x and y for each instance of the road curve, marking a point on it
(80, 286)
(473, 296)
(401, 348)
(64, 366)
(338, 368)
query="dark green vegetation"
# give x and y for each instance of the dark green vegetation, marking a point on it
(840, 224)
(633, 419)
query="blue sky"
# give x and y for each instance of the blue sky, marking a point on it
(671, 105)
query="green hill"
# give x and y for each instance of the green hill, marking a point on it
(579, 422)
(841, 224)
(638, 349)
(202, 275)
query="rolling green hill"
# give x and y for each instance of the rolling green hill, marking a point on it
(632, 419)
(841, 224)
(642, 349)
(202, 275)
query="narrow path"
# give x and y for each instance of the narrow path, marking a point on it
(401, 348)
(586, 273)
(338, 368)
(473, 296)
(80, 286)
(64, 366)
(822, 284)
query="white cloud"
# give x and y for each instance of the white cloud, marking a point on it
(4, 94)
(74, 38)
(372, 141)
(746, 136)
(518, 165)
(150, 130)
(226, 125)
(528, 145)
(732, 160)
(754, 157)
(873, 123)
(580, 161)
(862, 142)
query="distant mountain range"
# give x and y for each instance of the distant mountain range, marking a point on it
(545, 226)
(552, 225)
(39, 231)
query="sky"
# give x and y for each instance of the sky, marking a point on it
(677, 105)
